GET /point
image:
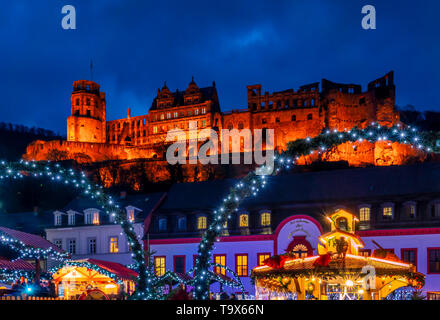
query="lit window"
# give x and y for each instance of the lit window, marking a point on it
(159, 266)
(95, 217)
(168, 115)
(203, 110)
(201, 223)
(241, 265)
(364, 214)
(300, 251)
(262, 257)
(387, 212)
(130, 215)
(114, 245)
(176, 114)
(162, 116)
(364, 252)
(221, 260)
(265, 219)
(154, 129)
(196, 112)
(244, 220)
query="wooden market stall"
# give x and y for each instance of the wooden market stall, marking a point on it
(338, 272)
(85, 278)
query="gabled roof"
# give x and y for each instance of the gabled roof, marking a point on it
(16, 265)
(28, 239)
(118, 269)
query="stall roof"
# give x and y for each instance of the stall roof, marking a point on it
(16, 265)
(116, 268)
(29, 239)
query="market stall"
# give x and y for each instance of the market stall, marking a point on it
(338, 272)
(91, 278)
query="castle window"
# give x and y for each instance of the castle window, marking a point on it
(144, 133)
(277, 120)
(203, 110)
(201, 223)
(230, 126)
(162, 116)
(203, 123)
(154, 129)
(175, 114)
(312, 102)
(265, 219)
(88, 102)
(168, 115)
(310, 116)
(240, 126)
(287, 104)
(243, 220)
(77, 101)
(264, 121)
(278, 103)
(196, 112)
(89, 113)
(293, 117)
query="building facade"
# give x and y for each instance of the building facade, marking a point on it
(85, 231)
(292, 114)
(397, 207)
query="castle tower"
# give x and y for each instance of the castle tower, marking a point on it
(87, 122)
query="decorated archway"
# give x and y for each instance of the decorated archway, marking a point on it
(300, 247)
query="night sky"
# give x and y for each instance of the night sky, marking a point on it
(136, 46)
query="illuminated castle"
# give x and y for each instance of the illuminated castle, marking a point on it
(293, 114)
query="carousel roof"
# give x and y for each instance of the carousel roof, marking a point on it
(352, 263)
(15, 265)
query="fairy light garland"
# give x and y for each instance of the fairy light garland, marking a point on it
(87, 265)
(11, 171)
(253, 183)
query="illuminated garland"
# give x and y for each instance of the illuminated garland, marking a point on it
(253, 183)
(69, 177)
(27, 252)
(87, 265)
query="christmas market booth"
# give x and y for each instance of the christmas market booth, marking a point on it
(93, 279)
(339, 272)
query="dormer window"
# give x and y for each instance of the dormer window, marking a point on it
(388, 211)
(243, 220)
(265, 219)
(162, 224)
(410, 209)
(91, 217)
(130, 215)
(201, 222)
(58, 219)
(181, 223)
(71, 219)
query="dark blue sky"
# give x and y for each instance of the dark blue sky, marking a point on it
(136, 45)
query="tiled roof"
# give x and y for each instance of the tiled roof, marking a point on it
(29, 239)
(16, 265)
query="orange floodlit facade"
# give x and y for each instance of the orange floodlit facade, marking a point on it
(292, 114)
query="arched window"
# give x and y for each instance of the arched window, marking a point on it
(265, 219)
(364, 214)
(243, 220)
(162, 224)
(300, 251)
(201, 222)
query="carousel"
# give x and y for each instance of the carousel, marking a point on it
(92, 279)
(339, 272)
